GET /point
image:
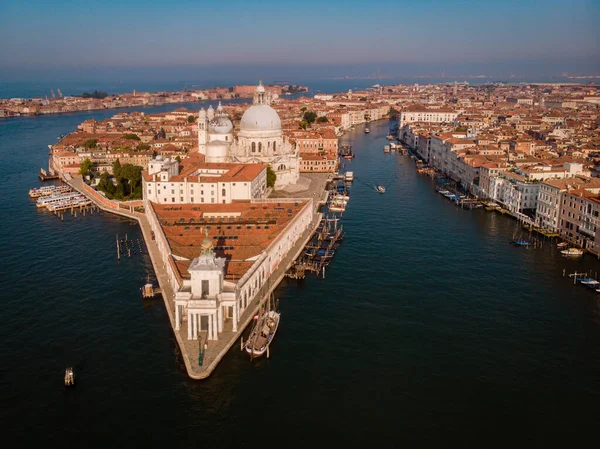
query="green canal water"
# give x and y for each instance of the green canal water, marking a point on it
(430, 329)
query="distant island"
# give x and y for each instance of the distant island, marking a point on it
(96, 94)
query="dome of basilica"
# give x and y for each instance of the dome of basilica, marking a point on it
(260, 117)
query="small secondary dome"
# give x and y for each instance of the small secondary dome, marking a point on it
(221, 125)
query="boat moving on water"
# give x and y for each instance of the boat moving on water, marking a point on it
(380, 189)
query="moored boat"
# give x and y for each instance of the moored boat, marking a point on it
(572, 252)
(264, 330)
(367, 130)
(47, 190)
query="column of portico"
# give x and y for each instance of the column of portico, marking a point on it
(196, 323)
(220, 318)
(235, 314)
(210, 327)
(177, 317)
(189, 326)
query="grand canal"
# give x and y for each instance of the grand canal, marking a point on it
(430, 329)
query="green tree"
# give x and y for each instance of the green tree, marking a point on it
(303, 124)
(95, 94)
(119, 191)
(322, 119)
(191, 119)
(106, 185)
(271, 177)
(85, 167)
(90, 143)
(131, 136)
(116, 166)
(143, 146)
(310, 117)
(363, 98)
(178, 159)
(393, 111)
(303, 109)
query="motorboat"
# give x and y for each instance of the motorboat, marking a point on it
(572, 252)
(386, 149)
(562, 245)
(367, 130)
(380, 189)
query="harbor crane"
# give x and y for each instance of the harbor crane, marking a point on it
(60, 94)
(53, 94)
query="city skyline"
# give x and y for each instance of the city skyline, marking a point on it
(457, 38)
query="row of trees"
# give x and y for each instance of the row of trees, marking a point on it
(310, 117)
(128, 182)
(124, 184)
(95, 94)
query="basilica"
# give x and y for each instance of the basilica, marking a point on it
(259, 139)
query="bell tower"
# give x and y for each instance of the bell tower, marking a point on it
(202, 131)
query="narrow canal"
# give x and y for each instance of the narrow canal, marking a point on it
(429, 329)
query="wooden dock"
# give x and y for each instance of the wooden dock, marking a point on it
(43, 175)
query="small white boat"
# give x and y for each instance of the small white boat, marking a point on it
(381, 189)
(562, 245)
(572, 252)
(349, 176)
(386, 149)
(367, 130)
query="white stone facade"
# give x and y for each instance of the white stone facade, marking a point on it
(210, 183)
(427, 116)
(207, 300)
(259, 140)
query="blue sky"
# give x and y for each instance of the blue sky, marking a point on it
(441, 35)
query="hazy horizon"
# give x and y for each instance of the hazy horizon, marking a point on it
(154, 39)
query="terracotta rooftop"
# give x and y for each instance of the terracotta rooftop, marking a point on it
(239, 231)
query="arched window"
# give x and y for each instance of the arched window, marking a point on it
(274, 146)
(259, 147)
(223, 192)
(253, 147)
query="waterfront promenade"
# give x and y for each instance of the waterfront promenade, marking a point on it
(200, 362)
